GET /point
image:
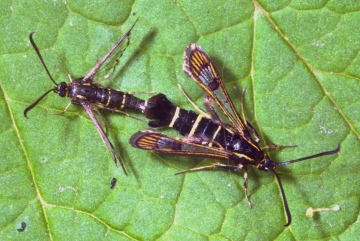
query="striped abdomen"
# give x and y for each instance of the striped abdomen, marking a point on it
(102, 96)
(190, 124)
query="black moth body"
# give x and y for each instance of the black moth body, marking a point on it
(235, 144)
(90, 96)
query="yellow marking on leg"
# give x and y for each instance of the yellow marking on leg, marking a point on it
(246, 183)
(69, 76)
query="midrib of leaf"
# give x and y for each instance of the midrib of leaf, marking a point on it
(30, 168)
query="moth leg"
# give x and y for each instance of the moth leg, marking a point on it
(212, 166)
(66, 73)
(62, 112)
(216, 165)
(246, 183)
(227, 167)
(69, 76)
(120, 112)
(113, 110)
(193, 104)
(142, 92)
(237, 168)
(66, 108)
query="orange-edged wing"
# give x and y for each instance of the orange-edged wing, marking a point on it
(155, 141)
(198, 66)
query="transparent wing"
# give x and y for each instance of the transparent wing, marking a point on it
(87, 107)
(155, 141)
(111, 59)
(198, 66)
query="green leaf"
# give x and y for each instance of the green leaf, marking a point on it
(299, 61)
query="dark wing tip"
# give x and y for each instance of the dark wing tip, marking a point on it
(187, 55)
(134, 138)
(143, 139)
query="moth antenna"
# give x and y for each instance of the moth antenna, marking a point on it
(286, 206)
(40, 57)
(325, 153)
(36, 102)
(47, 71)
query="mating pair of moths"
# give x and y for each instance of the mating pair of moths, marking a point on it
(235, 145)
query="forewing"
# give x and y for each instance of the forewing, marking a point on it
(155, 141)
(111, 59)
(198, 66)
(87, 107)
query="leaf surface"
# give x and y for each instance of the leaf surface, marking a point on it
(298, 60)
